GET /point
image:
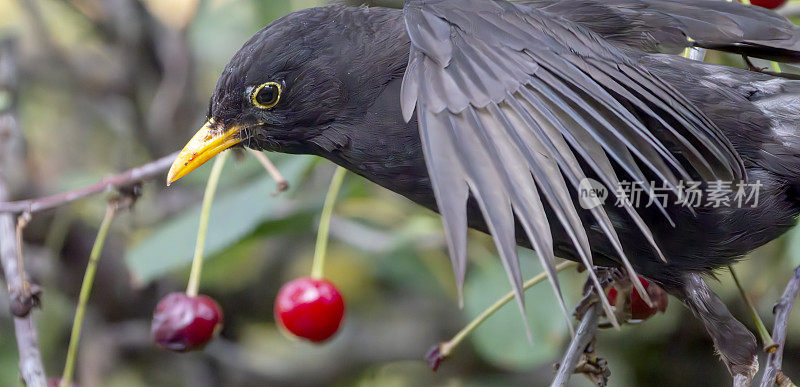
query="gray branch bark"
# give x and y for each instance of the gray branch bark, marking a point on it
(585, 334)
(782, 310)
(30, 360)
(148, 171)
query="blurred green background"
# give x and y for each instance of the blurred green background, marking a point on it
(107, 85)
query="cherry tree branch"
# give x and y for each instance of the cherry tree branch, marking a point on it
(31, 369)
(583, 336)
(147, 171)
(782, 310)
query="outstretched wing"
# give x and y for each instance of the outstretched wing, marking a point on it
(513, 104)
(671, 25)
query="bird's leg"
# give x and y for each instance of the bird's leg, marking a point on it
(624, 286)
(751, 66)
(607, 276)
(735, 344)
(581, 357)
(583, 305)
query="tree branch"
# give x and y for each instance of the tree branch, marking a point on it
(30, 360)
(584, 335)
(144, 172)
(782, 310)
(31, 369)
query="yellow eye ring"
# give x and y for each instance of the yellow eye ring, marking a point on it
(266, 96)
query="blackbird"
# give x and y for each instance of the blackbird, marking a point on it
(499, 114)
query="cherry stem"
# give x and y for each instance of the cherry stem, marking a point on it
(766, 338)
(83, 298)
(325, 222)
(447, 347)
(280, 181)
(202, 226)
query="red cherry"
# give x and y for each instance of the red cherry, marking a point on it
(770, 4)
(310, 308)
(639, 309)
(56, 382)
(182, 323)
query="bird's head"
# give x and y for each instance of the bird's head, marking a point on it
(292, 82)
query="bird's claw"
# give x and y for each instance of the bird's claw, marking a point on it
(592, 367)
(583, 305)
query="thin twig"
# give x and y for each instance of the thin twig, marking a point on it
(26, 298)
(280, 181)
(144, 172)
(441, 351)
(22, 222)
(463, 333)
(584, 335)
(782, 310)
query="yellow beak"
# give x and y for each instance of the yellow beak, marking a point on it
(201, 148)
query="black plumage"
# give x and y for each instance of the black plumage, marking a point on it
(492, 112)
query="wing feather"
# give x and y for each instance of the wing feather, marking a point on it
(592, 150)
(671, 25)
(451, 193)
(516, 108)
(571, 168)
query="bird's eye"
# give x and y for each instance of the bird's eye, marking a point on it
(266, 96)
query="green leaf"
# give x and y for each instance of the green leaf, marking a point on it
(501, 339)
(234, 215)
(792, 246)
